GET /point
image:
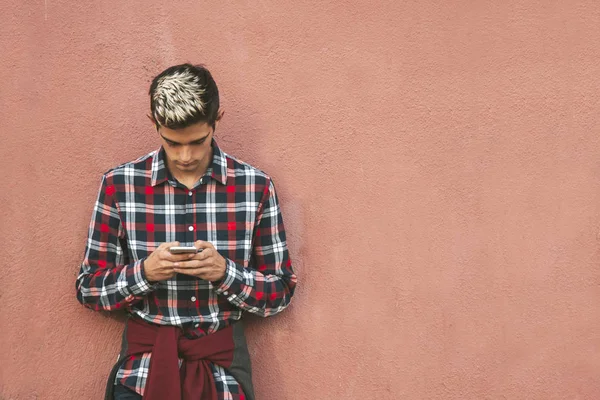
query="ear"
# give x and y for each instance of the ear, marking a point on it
(219, 116)
(154, 123)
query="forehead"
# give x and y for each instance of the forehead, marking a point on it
(188, 134)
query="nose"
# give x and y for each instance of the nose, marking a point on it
(185, 155)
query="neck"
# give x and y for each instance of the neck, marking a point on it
(189, 178)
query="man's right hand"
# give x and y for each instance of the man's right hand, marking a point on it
(159, 265)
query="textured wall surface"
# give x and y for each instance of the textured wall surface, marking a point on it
(438, 164)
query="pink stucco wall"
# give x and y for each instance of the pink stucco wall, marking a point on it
(438, 164)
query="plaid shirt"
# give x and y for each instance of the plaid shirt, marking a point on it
(140, 205)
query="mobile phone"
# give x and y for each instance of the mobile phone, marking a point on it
(183, 250)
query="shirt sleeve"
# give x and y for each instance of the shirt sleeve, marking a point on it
(267, 286)
(106, 280)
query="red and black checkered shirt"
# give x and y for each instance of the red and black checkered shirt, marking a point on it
(140, 205)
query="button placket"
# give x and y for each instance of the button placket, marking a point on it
(189, 216)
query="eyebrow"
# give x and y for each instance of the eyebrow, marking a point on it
(197, 141)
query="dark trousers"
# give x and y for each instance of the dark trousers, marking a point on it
(123, 393)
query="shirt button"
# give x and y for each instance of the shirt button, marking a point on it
(193, 298)
(190, 228)
(190, 193)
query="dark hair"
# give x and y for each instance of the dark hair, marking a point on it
(183, 95)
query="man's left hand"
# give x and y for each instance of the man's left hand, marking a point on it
(207, 264)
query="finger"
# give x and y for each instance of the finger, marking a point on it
(168, 256)
(194, 264)
(201, 244)
(167, 245)
(178, 257)
(197, 272)
(203, 254)
(164, 248)
(166, 266)
(189, 264)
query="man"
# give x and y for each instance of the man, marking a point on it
(183, 338)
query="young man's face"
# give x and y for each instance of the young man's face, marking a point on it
(188, 149)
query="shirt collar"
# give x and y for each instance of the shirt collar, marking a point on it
(219, 164)
(216, 170)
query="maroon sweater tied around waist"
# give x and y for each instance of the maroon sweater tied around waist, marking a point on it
(194, 380)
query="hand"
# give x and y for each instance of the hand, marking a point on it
(208, 264)
(160, 265)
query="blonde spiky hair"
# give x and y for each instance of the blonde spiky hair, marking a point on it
(183, 95)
